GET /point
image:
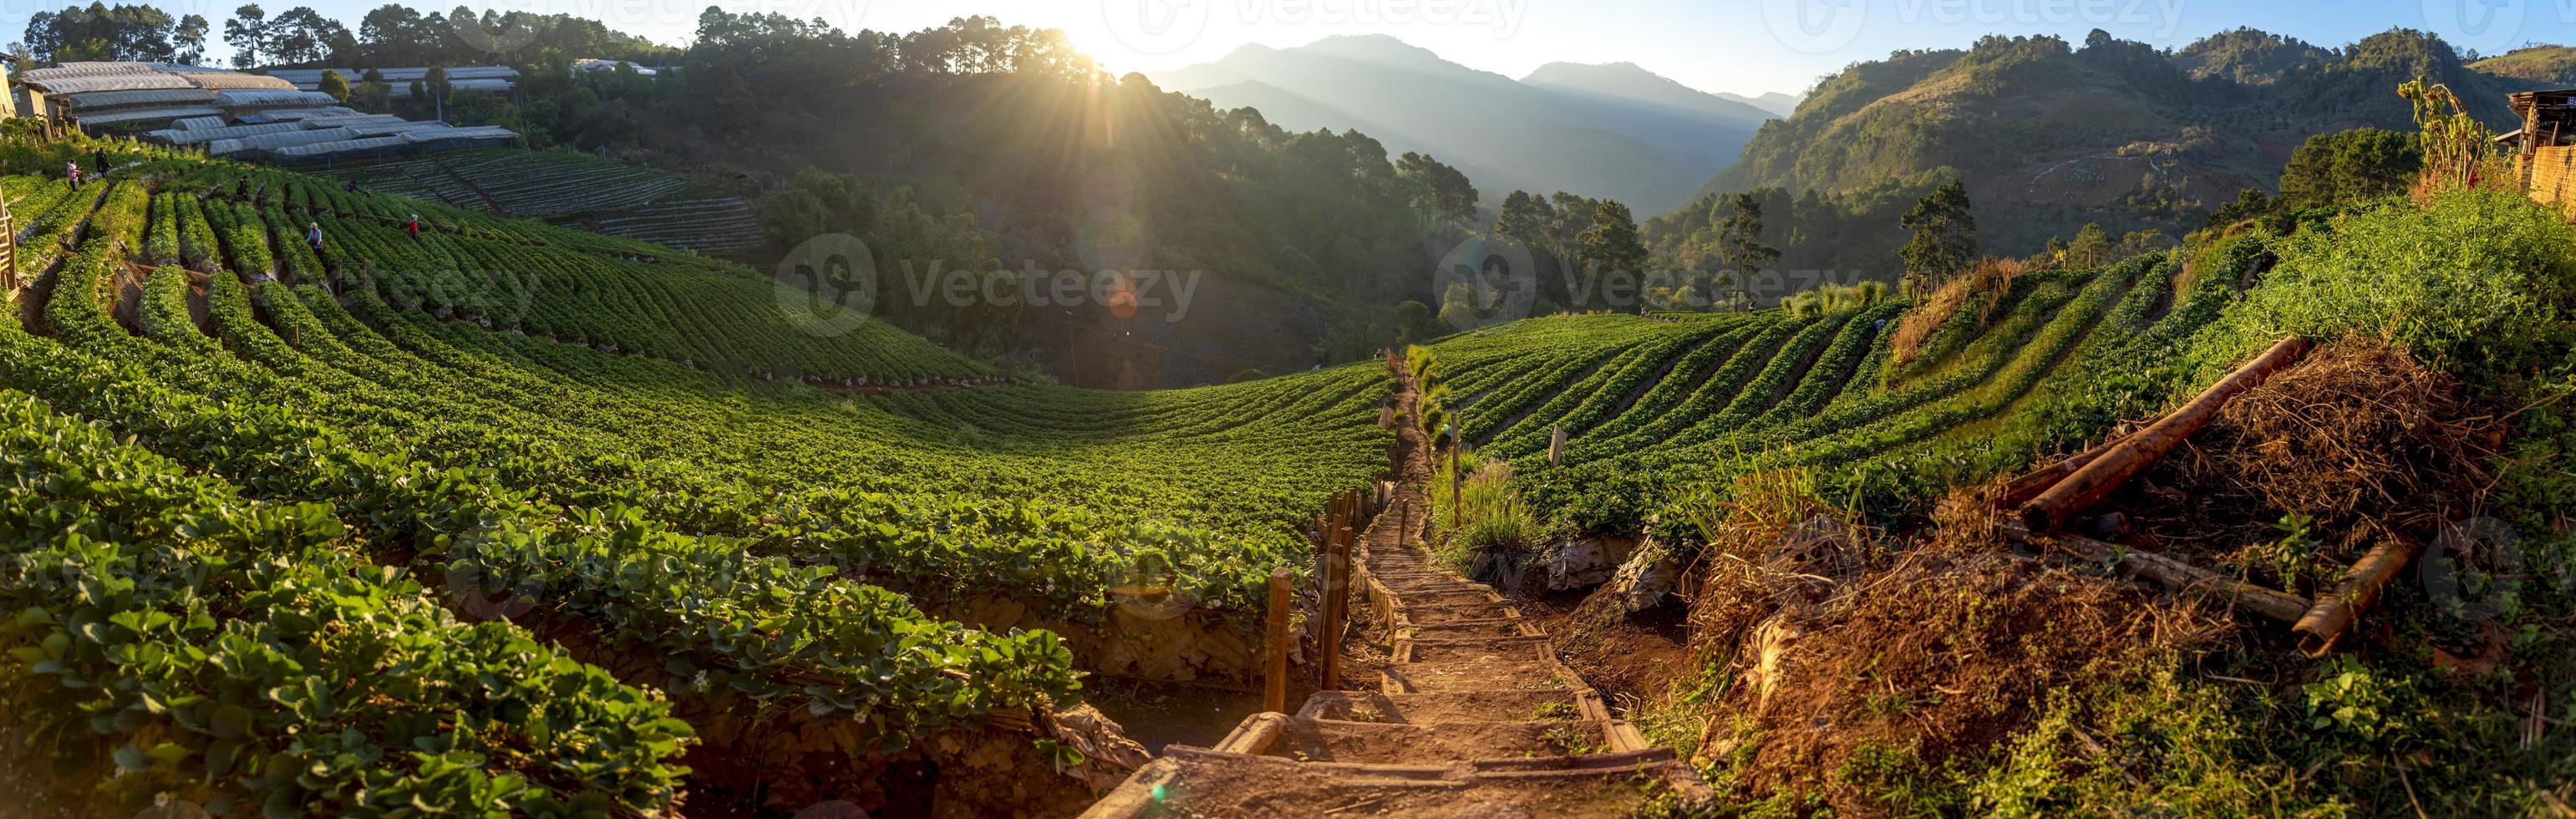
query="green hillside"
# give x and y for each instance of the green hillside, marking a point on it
(2050, 135)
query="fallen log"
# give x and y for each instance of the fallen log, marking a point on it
(2095, 480)
(2184, 577)
(2334, 613)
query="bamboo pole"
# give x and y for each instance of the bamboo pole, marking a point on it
(2054, 508)
(2020, 490)
(2325, 623)
(1337, 568)
(1274, 691)
(2272, 603)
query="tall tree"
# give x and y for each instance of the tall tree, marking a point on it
(247, 33)
(1611, 243)
(1945, 237)
(1451, 193)
(102, 32)
(1524, 217)
(189, 40)
(2091, 247)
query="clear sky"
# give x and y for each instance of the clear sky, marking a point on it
(1744, 46)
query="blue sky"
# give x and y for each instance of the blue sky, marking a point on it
(1744, 46)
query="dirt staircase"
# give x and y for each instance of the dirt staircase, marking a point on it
(1473, 715)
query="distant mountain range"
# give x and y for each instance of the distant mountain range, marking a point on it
(1607, 131)
(2049, 135)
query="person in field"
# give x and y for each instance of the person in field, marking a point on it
(313, 236)
(100, 154)
(71, 171)
(413, 227)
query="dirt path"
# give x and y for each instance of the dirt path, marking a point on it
(1473, 715)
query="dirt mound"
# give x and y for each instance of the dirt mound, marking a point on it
(1933, 656)
(2358, 444)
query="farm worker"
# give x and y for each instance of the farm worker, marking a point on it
(413, 227)
(353, 186)
(71, 171)
(101, 155)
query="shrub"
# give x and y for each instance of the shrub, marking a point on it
(2477, 283)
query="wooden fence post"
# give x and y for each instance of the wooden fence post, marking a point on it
(1337, 567)
(1556, 445)
(1274, 693)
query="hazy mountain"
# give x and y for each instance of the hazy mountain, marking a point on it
(2050, 135)
(1775, 103)
(1613, 131)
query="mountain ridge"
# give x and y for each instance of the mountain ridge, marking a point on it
(1621, 134)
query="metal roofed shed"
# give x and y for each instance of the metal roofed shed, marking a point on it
(198, 123)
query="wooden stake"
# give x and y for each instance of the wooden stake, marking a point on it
(1556, 445)
(2336, 610)
(2053, 509)
(1337, 573)
(1274, 693)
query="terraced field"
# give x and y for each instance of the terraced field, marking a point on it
(1652, 405)
(569, 189)
(244, 430)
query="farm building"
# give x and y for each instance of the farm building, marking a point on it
(2545, 146)
(230, 113)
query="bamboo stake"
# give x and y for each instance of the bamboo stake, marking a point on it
(2334, 613)
(1337, 568)
(2054, 508)
(2020, 490)
(1274, 692)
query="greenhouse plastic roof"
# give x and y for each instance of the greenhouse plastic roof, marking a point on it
(146, 114)
(93, 100)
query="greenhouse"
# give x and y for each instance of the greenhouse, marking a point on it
(277, 116)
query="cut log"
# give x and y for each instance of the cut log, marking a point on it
(2334, 613)
(2095, 480)
(2184, 577)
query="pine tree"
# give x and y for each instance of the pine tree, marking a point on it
(1945, 237)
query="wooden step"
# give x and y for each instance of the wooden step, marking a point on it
(1454, 706)
(1199, 782)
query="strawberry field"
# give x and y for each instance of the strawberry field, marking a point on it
(582, 459)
